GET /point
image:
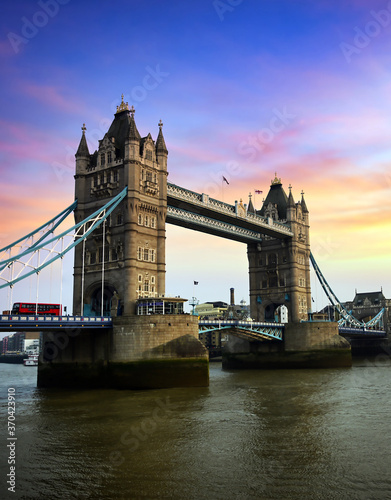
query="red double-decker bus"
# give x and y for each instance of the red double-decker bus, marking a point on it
(27, 308)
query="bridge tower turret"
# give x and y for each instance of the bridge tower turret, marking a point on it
(126, 257)
(280, 268)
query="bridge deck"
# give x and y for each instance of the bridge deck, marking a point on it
(361, 332)
(34, 323)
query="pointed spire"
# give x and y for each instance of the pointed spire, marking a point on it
(291, 201)
(276, 180)
(160, 143)
(82, 150)
(250, 207)
(303, 203)
(133, 133)
(123, 106)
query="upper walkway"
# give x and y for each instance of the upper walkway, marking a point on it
(202, 213)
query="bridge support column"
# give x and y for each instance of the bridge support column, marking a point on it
(139, 352)
(306, 345)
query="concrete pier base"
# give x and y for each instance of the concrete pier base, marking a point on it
(139, 352)
(306, 345)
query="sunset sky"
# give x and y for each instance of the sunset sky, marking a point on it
(244, 89)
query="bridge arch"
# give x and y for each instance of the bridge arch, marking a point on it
(93, 299)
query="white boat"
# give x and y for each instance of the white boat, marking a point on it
(32, 360)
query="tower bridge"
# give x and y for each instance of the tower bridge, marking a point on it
(119, 272)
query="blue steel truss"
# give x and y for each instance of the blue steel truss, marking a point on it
(249, 329)
(42, 232)
(347, 319)
(22, 265)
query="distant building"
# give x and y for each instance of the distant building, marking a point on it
(211, 310)
(17, 342)
(367, 305)
(212, 341)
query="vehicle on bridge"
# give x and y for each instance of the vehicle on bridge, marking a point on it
(37, 309)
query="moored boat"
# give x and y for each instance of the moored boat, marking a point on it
(32, 360)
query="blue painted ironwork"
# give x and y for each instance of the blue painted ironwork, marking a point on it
(45, 229)
(378, 320)
(253, 330)
(346, 317)
(347, 331)
(77, 233)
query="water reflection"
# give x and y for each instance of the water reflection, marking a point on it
(313, 434)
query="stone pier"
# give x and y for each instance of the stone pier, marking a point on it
(306, 345)
(139, 352)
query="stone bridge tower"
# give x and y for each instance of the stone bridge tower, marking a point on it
(126, 257)
(280, 268)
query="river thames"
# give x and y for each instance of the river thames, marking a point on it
(289, 434)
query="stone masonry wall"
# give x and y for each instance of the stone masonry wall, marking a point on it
(155, 337)
(314, 335)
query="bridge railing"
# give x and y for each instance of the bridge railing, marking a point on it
(234, 322)
(361, 331)
(219, 206)
(43, 320)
